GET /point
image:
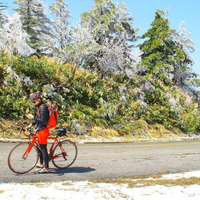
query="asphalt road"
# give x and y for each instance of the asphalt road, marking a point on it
(113, 160)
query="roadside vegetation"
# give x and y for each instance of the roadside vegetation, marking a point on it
(102, 88)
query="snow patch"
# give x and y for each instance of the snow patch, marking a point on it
(90, 190)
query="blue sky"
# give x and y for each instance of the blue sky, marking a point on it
(143, 12)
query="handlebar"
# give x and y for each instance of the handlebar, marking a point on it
(23, 130)
(61, 132)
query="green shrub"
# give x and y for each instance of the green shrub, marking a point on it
(92, 101)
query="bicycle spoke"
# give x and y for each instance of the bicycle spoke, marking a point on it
(65, 155)
(22, 158)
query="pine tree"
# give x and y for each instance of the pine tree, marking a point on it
(14, 40)
(164, 53)
(2, 6)
(2, 20)
(59, 43)
(34, 21)
(112, 29)
(2, 16)
(183, 73)
(183, 68)
(159, 49)
(61, 23)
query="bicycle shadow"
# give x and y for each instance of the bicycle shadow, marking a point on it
(76, 170)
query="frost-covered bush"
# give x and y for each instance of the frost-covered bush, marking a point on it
(13, 38)
(118, 103)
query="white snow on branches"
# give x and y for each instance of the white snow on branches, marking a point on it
(13, 37)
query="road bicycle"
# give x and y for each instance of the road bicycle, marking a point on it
(25, 155)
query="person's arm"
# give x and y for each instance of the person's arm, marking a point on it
(44, 115)
(30, 116)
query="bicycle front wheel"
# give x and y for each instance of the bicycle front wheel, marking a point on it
(23, 158)
(64, 154)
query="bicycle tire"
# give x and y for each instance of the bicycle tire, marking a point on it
(63, 162)
(20, 165)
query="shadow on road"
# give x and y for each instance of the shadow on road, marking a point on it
(73, 170)
(34, 176)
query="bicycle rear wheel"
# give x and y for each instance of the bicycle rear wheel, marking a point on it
(18, 162)
(65, 155)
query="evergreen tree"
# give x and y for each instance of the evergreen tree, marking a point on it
(2, 16)
(34, 21)
(111, 25)
(2, 19)
(183, 68)
(61, 24)
(59, 43)
(183, 73)
(159, 49)
(164, 55)
(2, 6)
(14, 40)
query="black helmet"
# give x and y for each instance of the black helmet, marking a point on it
(35, 96)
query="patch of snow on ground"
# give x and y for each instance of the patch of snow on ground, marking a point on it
(87, 190)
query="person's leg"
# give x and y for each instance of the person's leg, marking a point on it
(42, 140)
(44, 155)
(41, 163)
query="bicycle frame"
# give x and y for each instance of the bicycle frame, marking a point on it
(55, 143)
(35, 143)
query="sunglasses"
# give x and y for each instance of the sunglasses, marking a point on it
(34, 101)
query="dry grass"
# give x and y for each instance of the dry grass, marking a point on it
(166, 182)
(67, 184)
(98, 131)
(155, 180)
(10, 130)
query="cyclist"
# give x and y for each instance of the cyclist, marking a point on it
(41, 120)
